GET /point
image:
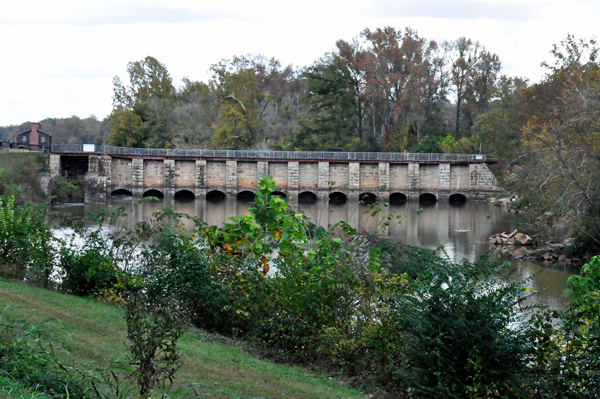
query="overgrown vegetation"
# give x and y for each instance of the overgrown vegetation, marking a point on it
(20, 177)
(398, 319)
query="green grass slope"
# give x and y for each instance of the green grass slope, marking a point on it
(94, 332)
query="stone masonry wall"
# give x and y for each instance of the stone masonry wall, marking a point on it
(459, 178)
(215, 175)
(429, 177)
(185, 174)
(444, 176)
(154, 173)
(247, 176)
(369, 176)
(106, 174)
(399, 178)
(338, 173)
(308, 175)
(279, 172)
(121, 173)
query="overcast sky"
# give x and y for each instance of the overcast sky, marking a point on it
(59, 57)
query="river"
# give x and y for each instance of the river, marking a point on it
(461, 228)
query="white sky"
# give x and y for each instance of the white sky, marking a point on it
(59, 57)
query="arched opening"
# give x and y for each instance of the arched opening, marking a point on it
(398, 199)
(427, 198)
(215, 196)
(457, 199)
(121, 194)
(367, 198)
(184, 195)
(307, 197)
(153, 193)
(246, 196)
(337, 198)
(280, 194)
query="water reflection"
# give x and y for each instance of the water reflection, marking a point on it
(460, 227)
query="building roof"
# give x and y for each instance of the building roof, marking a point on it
(29, 130)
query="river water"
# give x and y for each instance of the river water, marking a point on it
(461, 228)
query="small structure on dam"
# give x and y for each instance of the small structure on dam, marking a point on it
(302, 176)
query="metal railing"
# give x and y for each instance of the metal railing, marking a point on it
(284, 155)
(24, 146)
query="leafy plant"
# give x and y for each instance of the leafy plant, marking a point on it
(153, 329)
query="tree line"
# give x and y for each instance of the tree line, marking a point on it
(385, 90)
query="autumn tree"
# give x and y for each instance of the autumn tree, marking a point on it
(475, 72)
(235, 87)
(399, 72)
(559, 169)
(150, 95)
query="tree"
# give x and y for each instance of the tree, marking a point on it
(127, 129)
(151, 96)
(234, 85)
(474, 78)
(398, 73)
(330, 123)
(561, 136)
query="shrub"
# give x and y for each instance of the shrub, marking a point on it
(153, 328)
(464, 331)
(66, 190)
(25, 249)
(565, 349)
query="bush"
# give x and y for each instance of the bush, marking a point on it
(25, 242)
(153, 329)
(87, 266)
(565, 349)
(66, 190)
(465, 332)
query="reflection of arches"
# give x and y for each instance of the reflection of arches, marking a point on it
(458, 198)
(184, 195)
(215, 196)
(427, 198)
(367, 198)
(121, 193)
(246, 196)
(337, 198)
(398, 199)
(307, 197)
(279, 194)
(154, 193)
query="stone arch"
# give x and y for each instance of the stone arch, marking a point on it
(307, 197)
(215, 196)
(457, 198)
(246, 196)
(338, 198)
(121, 193)
(398, 199)
(367, 198)
(279, 194)
(154, 193)
(427, 198)
(184, 195)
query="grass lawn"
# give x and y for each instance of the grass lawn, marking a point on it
(94, 333)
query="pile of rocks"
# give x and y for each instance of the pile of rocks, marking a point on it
(518, 245)
(510, 239)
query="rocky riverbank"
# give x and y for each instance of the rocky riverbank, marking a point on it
(523, 246)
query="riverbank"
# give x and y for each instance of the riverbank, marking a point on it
(93, 335)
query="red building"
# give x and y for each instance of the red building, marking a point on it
(34, 139)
